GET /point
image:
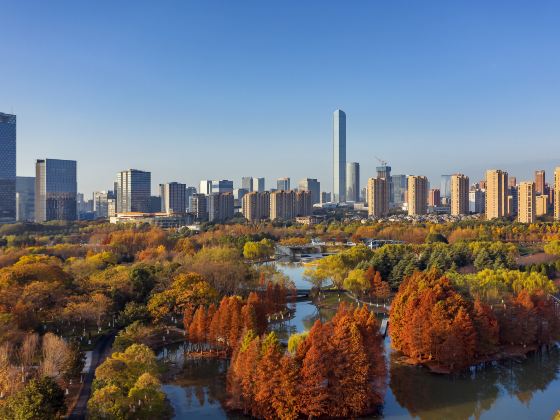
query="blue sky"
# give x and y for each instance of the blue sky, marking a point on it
(194, 90)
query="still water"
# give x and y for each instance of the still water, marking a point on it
(528, 389)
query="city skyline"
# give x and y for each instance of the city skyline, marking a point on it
(468, 87)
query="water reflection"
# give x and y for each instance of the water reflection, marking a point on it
(503, 390)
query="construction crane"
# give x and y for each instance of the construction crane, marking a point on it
(383, 162)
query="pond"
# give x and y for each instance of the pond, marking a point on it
(528, 389)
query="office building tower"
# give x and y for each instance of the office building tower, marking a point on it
(205, 187)
(377, 197)
(496, 194)
(541, 205)
(459, 194)
(25, 198)
(398, 194)
(154, 204)
(200, 207)
(540, 182)
(173, 198)
(445, 187)
(339, 156)
(7, 168)
(556, 193)
(325, 197)
(220, 207)
(513, 200)
(256, 206)
(477, 200)
(313, 186)
(55, 190)
(353, 181)
(247, 183)
(189, 191)
(434, 198)
(283, 184)
(238, 196)
(417, 195)
(257, 184)
(101, 204)
(222, 186)
(133, 191)
(526, 202)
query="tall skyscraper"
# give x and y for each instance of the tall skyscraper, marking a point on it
(56, 190)
(205, 187)
(222, 186)
(25, 198)
(283, 184)
(7, 168)
(313, 186)
(258, 184)
(496, 194)
(459, 194)
(398, 194)
(417, 195)
(173, 199)
(445, 188)
(378, 197)
(101, 204)
(540, 181)
(133, 191)
(353, 181)
(339, 156)
(247, 183)
(200, 207)
(557, 193)
(526, 203)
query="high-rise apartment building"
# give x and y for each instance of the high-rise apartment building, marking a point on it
(512, 182)
(556, 193)
(496, 194)
(283, 184)
(173, 200)
(56, 190)
(434, 198)
(526, 202)
(304, 203)
(398, 194)
(540, 182)
(339, 156)
(313, 186)
(459, 194)
(417, 195)
(133, 191)
(377, 197)
(256, 206)
(286, 205)
(7, 168)
(25, 198)
(541, 205)
(353, 181)
(220, 207)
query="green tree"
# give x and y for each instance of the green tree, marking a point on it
(41, 399)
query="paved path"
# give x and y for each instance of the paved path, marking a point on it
(99, 354)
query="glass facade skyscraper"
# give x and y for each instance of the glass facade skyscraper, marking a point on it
(7, 168)
(25, 198)
(339, 156)
(56, 190)
(133, 191)
(353, 181)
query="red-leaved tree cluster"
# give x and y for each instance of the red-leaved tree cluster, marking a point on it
(432, 323)
(337, 370)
